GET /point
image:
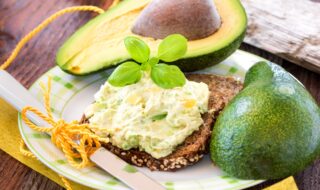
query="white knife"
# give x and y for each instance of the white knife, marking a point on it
(19, 97)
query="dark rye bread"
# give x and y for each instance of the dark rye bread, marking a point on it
(222, 90)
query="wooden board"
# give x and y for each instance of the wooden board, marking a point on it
(287, 28)
(18, 17)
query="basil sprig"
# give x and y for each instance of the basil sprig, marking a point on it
(172, 48)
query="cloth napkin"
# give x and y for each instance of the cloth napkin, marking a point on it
(286, 184)
(9, 143)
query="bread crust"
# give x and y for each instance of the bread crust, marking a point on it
(222, 90)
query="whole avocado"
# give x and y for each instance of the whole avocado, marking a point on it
(270, 130)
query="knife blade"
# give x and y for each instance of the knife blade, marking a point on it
(122, 170)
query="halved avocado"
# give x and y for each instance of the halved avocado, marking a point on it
(99, 44)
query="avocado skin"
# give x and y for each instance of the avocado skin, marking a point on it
(204, 61)
(270, 130)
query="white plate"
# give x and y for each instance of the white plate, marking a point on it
(70, 95)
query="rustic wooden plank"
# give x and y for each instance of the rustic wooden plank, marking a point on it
(17, 17)
(289, 29)
(14, 175)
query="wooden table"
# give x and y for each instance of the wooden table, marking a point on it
(17, 17)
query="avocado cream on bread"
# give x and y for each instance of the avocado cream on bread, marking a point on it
(156, 110)
(153, 115)
(147, 117)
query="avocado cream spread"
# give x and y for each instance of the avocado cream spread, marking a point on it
(147, 117)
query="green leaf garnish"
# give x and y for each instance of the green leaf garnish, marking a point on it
(125, 74)
(167, 76)
(172, 48)
(137, 48)
(159, 117)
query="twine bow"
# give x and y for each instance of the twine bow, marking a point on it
(76, 140)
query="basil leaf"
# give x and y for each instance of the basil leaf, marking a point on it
(153, 61)
(167, 76)
(125, 74)
(159, 117)
(172, 48)
(137, 48)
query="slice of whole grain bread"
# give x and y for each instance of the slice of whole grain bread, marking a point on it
(222, 90)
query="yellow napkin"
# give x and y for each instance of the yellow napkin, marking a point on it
(9, 142)
(286, 184)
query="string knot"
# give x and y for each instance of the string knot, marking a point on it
(76, 140)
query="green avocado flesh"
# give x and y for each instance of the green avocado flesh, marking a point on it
(99, 44)
(270, 130)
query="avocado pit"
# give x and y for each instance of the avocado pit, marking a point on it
(195, 19)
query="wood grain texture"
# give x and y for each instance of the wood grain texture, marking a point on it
(289, 29)
(17, 17)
